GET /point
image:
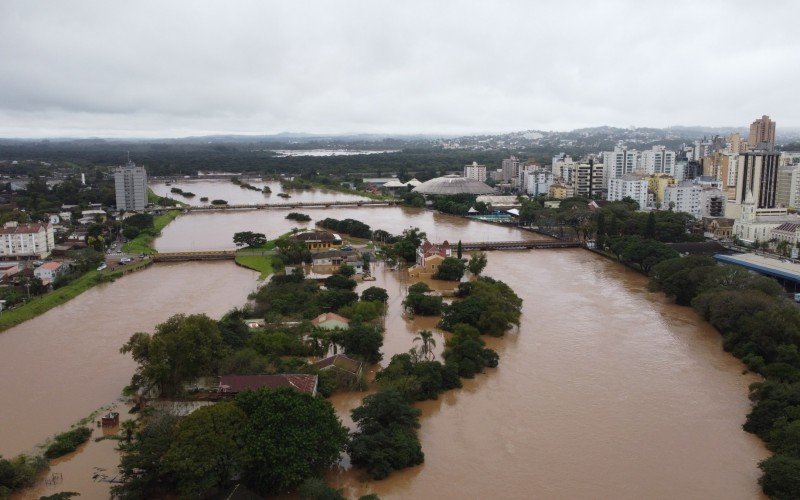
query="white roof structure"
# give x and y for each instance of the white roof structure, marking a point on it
(414, 182)
(394, 183)
(453, 184)
(500, 201)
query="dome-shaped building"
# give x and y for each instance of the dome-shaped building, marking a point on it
(453, 184)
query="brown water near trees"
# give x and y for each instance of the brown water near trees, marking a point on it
(214, 231)
(61, 366)
(606, 390)
(223, 189)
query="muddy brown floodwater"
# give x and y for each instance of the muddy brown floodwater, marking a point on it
(605, 391)
(223, 189)
(61, 366)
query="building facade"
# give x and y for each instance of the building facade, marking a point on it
(589, 180)
(621, 160)
(757, 172)
(130, 183)
(788, 188)
(762, 134)
(475, 172)
(658, 160)
(629, 186)
(26, 240)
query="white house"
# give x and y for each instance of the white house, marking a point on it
(49, 271)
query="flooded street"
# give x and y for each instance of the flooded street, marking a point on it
(606, 390)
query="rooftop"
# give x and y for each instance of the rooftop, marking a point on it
(322, 318)
(238, 383)
(453, 184)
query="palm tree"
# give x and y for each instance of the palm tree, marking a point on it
(428, 343)
(128, 427)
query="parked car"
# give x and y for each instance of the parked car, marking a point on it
(101, 267)
(125, 260)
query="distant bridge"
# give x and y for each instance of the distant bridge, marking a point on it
(188, 256)
(519, 245)
(297, 204)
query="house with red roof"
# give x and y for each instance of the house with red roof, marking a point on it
(234, 384)
(429, 258)
(331, 321)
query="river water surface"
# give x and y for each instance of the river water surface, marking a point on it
(606, 390)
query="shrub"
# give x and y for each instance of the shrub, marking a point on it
(67, 442)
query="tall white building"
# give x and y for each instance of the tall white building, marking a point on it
(536, 182)
(621, 160)
(563, 166)
(658, 160)
(26, 240)
(696, 199)
(630, 186)
(475, 171)
(788, 188)
(130, 183)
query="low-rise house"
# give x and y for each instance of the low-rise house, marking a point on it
(26, 240)
(788, 231)
(49, 271)
(255, 323)
(318, 240)
(234, 384)
(331, 321)
(330, 261)
(340, 362)
(718, 228)
(8, 270)
(429, 258)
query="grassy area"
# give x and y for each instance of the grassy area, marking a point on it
(44, 303)
(341, 189)
(143, 242)
(153, 198)
(260, 263)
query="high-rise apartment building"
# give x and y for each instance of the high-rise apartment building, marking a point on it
(510, 169)
(695, 199)
(658, 160)
(757, 171)
(130, 183)
(629, 186)
(475, 171)
(589, 180)
(762, 134)
(621, 161)
(788, 188)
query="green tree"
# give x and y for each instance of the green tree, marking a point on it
(291, 436)
(375, 294)
(181, 348)
(386, 438)
(363, 341)
(781, 479)
(140, 465)
(427, 344)
(207, 450)
(477, 263)
(249, 238)
(451, 269)
(459, 250)
(316, 489)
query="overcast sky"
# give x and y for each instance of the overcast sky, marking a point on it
(177, 68)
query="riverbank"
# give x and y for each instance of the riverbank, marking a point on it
(143, 243)
(43, 303)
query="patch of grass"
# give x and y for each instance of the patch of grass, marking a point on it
(143, 242)
(260, 263)
(67, 442)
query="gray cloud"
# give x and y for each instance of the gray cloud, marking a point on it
(109, 68)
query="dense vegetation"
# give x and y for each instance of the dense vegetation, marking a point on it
(271, 440)
(762, 328)
(451, 269)
(67, 442)
(420, 301)
(354, 228)
(298, 217)
(19, 472)
(487, 304)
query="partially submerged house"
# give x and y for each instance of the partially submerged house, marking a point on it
(234, 384)
(429, 258)
(340, 362)
(331, 321)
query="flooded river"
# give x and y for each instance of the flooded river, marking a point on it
(606, 390)
(59, 367)
(224, 189)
